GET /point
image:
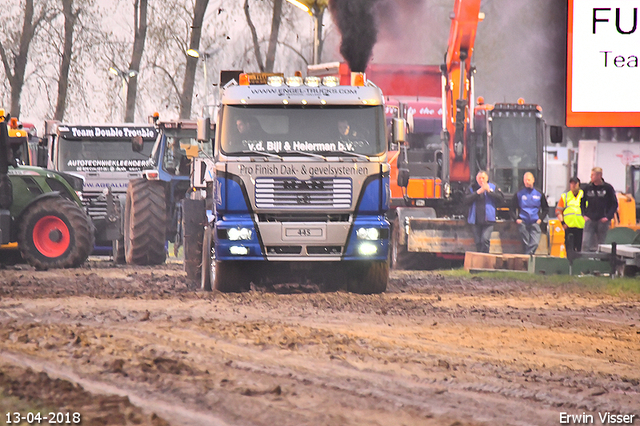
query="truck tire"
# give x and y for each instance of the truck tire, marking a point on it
(194, 217)
(145, 223)
(367, 277)
(117, 249)
(207, 269)
(55, 233)
(231, 277)
(399, 257)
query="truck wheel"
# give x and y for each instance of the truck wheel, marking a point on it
(398, 252)
(194, 217)
(367, 277)
(145, 218)
(117, 249)
(55, 233)
(231, 277)
(208, 264)
(400, 258)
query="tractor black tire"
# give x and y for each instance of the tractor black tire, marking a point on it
(207, 265)
(55, 233)
(232, 277)
(194, 217)
(367, 277)
(117, 248)
(11, 257)
(145, 223)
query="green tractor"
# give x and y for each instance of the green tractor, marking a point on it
(41, 213)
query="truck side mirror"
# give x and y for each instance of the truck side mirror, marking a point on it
(403, 177)
(399, 130)
(555, 133)
(137, 143)
(203, 129)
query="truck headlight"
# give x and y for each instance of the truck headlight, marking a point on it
(368, 233)
(367, 249)
(239, 250)
(236, 234)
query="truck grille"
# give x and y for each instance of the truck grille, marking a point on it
(95, 204)
(303, 217)
(331, 193)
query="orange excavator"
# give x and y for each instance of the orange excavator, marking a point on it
(456, 155)
(506, 140)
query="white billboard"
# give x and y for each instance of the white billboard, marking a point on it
(603, 71)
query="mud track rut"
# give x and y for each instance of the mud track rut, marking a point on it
(431, 351)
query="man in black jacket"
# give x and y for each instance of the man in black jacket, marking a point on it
(598, 205)
(483, 197)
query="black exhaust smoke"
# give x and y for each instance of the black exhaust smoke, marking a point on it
(357, 23)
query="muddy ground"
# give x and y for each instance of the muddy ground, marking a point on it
(134, 345)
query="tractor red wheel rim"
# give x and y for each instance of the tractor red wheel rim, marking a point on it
(51, 236)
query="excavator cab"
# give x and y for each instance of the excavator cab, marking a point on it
(516, 138)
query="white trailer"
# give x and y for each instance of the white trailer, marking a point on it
(613, 157)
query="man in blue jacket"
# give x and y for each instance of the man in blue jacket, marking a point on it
(483, 198)
(529, 208)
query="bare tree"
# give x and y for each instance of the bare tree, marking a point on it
(276, 19)
(70, 18)
(140, 26)
(186, 97)
(273, 38)
(14, 59)
(71, 52)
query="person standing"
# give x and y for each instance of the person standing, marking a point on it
(569, 213)
(483, 197)
(529, 208)
(598, 205)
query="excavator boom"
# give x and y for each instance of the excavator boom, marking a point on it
(457, 87)
(464, 23)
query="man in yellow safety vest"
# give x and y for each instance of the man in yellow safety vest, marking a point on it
(569, 214)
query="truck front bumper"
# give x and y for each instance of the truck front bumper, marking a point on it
(363, 238)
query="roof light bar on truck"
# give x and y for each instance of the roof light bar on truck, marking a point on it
(245, 79)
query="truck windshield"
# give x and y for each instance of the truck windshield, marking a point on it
(84, 155)
(324, 130)
(514, 151)
(181, 146)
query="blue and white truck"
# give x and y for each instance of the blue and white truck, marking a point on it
(299, 182)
